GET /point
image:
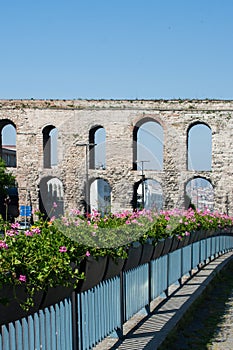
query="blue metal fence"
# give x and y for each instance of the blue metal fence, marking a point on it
(87, 318)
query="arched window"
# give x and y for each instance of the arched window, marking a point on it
(100, 196)
(199, 150)
(199, 194)
(50, 135)
(148, 195)
(148, 145)
(8, 143)
(51, 201)
(97, 139)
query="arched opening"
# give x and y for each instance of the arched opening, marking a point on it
(50, 134)
(199, 194)
(148, 141)
(100, 196)
(8, 143)
(51, 197)
(199, 147)
(148, 194)
(97, 149)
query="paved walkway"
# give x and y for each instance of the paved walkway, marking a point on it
(149, 332)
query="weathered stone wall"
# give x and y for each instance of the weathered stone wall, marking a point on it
(74, 119)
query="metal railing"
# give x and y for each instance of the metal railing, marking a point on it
(87, 318)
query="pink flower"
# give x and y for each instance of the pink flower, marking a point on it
(28, 233)
(36, 230)
(22, 278)
(3, 245)
(62, 249)
(54, 205)
(187, 233)
(88, 253)
(15, 225)
(10, 233)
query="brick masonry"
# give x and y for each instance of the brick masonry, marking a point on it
(74, 119)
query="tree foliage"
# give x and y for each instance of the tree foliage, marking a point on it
(6, 179)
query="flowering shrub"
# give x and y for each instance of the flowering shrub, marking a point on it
(38, 258)
(108, 234)
(49, 253)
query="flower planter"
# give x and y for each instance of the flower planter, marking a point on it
(193, 236)
(134, 256)
(113, 267)
(174, 245)
(158, 248)
(227, 230)
(12, 311)
(167, 245)
(94, 270)
(211, 233)
(147, 252)
(202, 234)
(54, 295)
(196, 236)
(184, 242)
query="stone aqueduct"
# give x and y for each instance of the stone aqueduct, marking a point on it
(75, 119)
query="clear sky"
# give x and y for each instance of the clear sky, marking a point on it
(116, 49)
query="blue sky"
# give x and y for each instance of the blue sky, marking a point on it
(110, 49)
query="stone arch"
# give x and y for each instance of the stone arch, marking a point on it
(51, 196)
(199, 142)
(199, 193)
(97, 148)
(100, 195)
(49, 146)
(151, 146)
(148, 194)
(8, 142)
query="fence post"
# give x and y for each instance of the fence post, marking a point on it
(181, 267)
(119, 331)
(147, 307)
(74, 320)
(168, 268)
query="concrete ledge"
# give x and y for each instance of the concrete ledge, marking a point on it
(149, 332)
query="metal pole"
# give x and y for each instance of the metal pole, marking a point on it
(143, 180)
(87, 182)
(86, 145)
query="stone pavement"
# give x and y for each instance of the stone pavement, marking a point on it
(150, 331)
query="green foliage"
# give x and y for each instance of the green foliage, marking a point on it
(6, 179)
(49, 253)
(39, 258)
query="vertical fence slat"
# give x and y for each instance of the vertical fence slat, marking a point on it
(5, 338)
(53, 328)
(174, 272)
(186, 259)
(47, 328)
(36, 331)
(58, 329)
(25, 333)
(195, 254)
(31, 333)
(12, 336)
(42, 329)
